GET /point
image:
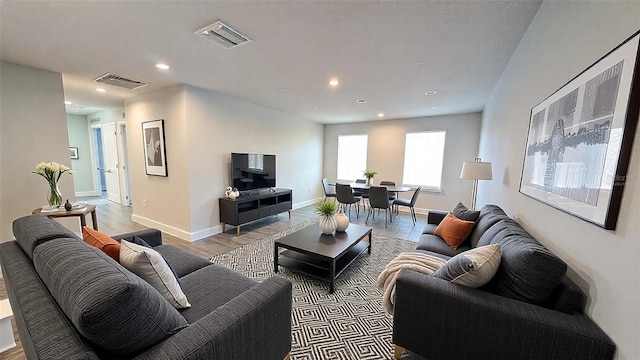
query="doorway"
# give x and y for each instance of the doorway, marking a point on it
(98, 161)
(124, 165)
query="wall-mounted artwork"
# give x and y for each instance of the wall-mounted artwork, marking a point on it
(73, 152)
(580, 139)
(155, 158)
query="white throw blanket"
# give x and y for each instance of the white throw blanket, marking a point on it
(415, 261)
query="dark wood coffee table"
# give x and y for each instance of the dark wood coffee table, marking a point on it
(322, 256)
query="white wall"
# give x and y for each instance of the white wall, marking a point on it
(33, 129)
(563, 39)
(385, 153)
(202, 128)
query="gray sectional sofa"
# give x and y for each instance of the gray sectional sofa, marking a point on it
(529, 309)
(72, 301)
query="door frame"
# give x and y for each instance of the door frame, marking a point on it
(93, 144)
(123, 160)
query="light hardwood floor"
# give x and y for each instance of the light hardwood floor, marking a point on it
(116, 219)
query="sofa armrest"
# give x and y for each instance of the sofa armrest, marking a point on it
(436, 216)
(438, 319)
(153, 237)
(254, 325)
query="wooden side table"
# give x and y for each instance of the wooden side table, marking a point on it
(81, 213)
(6, 331)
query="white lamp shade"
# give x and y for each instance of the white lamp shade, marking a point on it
(476, 170)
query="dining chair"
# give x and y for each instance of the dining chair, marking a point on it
(379, 199)
(344, 195)
(364, 194)
(327, 188)
(410, 203)
(392, 195)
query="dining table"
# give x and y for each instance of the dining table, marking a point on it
(390, 188)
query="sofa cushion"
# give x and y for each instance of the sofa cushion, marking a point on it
(141, 242)
(435, 244)
(102, 241)
(33, 230)
(489, 216)
(453, 230)
(182, 261)
(107, 304)
(473, 268)
(152, 268)
(528, 271)
(464, 213)
(211, 287)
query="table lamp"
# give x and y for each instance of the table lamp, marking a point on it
(476, 170)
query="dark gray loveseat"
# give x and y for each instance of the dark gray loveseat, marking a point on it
(529, 310)
(72, 301)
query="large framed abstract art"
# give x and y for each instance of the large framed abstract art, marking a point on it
(155, 155)
(580, 138)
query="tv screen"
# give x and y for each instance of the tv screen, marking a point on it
(253, 171)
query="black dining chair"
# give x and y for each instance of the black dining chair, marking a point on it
(327, 188)
(410, 203)
(392, 195)
(379, 199)
(364, 194)
(344, 195)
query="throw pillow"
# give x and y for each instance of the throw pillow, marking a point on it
(151, 267)
(140, 241)
(464, 213)
(453, 230)
(472, 268)
(102, 241)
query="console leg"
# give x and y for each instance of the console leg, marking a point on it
(397, 352)
(287, 357)
(238, 230)
(289, 214)
(223, 225)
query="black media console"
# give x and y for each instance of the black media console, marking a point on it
(254, 206)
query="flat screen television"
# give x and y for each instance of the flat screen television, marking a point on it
(253, 171)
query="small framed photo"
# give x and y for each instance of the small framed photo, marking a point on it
(154, 147)
(73, 152)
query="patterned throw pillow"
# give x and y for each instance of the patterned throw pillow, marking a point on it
(102, 241)
(453, 230)
(151, 267)
(472, 268)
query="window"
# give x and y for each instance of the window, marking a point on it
(423, 159)
(352, 156)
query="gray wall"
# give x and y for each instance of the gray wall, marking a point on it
(202, 128)
(79, 137)
(563, 39)
(385, 153)
(33, 129)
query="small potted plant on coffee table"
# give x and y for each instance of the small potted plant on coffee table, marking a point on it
(327, 209)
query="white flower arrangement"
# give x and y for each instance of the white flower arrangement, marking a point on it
(52, 171)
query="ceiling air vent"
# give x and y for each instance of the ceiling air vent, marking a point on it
(119, 81)
(222, 35)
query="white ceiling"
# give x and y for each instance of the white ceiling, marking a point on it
(386, 52)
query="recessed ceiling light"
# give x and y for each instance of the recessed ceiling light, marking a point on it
(283, 89)
(434, 107)
(334, 82)
(68, 103)
(315, 107)
(162, 66)
(380, 114)
(101, 90)
(361, 101)
(77, 111)
(431, 92)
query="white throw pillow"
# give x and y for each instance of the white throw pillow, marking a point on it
(151, 267)
(472, 268)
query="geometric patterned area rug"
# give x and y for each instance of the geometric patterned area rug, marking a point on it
(348, 324)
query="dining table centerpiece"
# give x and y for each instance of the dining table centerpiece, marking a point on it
(52, 171)
(327, 209)
(369, 174)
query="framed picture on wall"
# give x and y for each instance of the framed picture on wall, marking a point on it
(580, 138)
(155, 158)
(73, 152)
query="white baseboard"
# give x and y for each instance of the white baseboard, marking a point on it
(86, 193)
(305, 203)
(179, 233)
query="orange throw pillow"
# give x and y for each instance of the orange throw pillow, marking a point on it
(102, 241)
(454, 230)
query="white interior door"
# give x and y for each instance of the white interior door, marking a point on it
(111, 167)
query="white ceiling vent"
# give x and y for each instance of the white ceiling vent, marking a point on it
(223, 35)
(119, 81)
